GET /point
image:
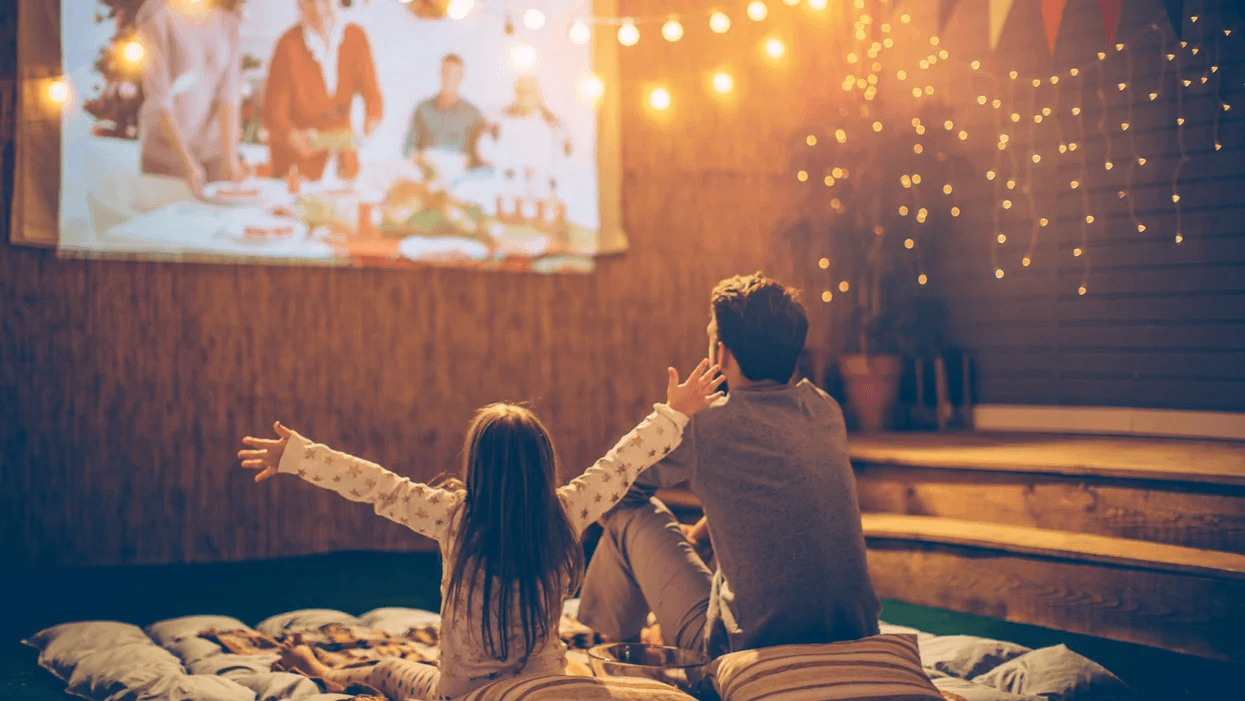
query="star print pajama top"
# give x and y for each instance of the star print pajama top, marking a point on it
(465, 664)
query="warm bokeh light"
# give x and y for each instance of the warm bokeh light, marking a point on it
(579, 33)
(591, 88)
(757, 11)
(659, 98)
(533, 19)
(58, 91)
(133, 52)
(719, 22)
(672, 30)
(817, 4)
(458, 9)
(824, 263)
(523, 56)
(723, 82)
(774, 48)
(628, 35)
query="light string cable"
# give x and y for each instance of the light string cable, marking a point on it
(1184, 152)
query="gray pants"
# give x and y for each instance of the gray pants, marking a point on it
(644, 563)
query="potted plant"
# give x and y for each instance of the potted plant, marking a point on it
(875, 192)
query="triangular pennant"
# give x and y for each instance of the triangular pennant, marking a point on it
(1175, 13)
(999, 9)
(1111, 10)
(1052, 16)
(946, 8)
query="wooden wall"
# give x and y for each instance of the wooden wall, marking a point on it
(1160, 325)
(125, 387)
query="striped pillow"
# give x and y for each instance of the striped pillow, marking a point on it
(883, 667)
(573, 688)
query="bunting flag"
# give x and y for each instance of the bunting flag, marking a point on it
(999, 9)
(1052, 15)
(946, 8)
(1175, 13)
(1111, 10)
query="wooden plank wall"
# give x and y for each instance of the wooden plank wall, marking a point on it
(1160, 324)
(126, 386)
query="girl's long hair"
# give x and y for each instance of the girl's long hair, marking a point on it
(515, 541)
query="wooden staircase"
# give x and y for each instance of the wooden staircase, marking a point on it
(1134, 539)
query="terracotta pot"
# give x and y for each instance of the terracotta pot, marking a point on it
(872, 386)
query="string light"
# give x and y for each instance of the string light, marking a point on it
(1001, 238)
(458, 9)
(533, 19)
(998, 273)
(672, 30)
(844, 286)
(802, 175)
(829, 181)
(719, 23)
(523, 56)
(922, 279)
(628, 34)
(591, 89)
(58, 91)
(824, 263)
(826, 296)
(757, 11)
(774, 48)
(133, 52)
(579, 33)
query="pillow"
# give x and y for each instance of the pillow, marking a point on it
(971, 691)
(272, 686)
(181, 687)
(304, 619)
(109, 670)
(966, 656)
(570, 688)
(1056, 674)
(191, 650)
(60, 647)
(175, 629)
(230, 665)
(879, 667)
(397, 621)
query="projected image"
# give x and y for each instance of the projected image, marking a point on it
(378, 133)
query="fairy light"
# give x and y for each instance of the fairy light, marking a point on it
(591, 88)
(903, 210)
(757, 11)
(824, 263)
(1184, 154)
(802, 176)
(774, 48)
(827, 296)
(579, 33)
(628, 34)
(844, 286)
(723, 83)
(533, 19)
(719, 23)
(672, 30)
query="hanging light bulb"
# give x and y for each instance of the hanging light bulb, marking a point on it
(659, 99)
(774, 48)
(591, 88)
(757, 11)
(523, 56)
(719, 23)
(458, 9)
(58, 91)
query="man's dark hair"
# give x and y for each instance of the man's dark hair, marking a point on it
(762, 324)
(452, 58)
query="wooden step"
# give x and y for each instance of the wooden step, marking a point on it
(1081, 547)
(1124, 457)
(1172, 491)
(1182, 599)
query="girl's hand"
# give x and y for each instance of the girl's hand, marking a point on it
(698, 392)
(267, 454)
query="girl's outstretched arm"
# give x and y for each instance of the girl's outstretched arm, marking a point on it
(587, 497)
(425, 510)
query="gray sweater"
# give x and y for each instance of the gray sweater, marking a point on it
(770, 466)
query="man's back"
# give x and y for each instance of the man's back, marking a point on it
(770, 466)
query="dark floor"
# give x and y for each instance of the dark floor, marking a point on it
(358, 581)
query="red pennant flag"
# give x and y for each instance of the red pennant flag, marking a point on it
(1111, 10)
(945, 9)
(1052, 15)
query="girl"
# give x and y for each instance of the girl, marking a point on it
(510, 541)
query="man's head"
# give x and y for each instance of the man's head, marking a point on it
(318, 15)
(451, 74)
(756, 330)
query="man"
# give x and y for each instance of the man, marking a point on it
(446, 121)
(318, 68)
(769, 464)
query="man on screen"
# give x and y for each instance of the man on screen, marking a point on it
(188, 123)
(446, 127)
(318, 67)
